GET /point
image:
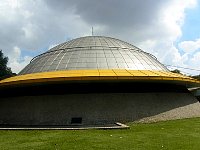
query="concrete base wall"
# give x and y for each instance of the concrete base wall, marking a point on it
(97, 108)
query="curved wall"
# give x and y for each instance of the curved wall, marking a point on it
(101, 108)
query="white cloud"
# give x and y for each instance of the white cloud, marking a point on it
(193, 64)
(17, 62)
(167, 31)
(152, 25)
(195, 60)
(31, 25)
(190, 46)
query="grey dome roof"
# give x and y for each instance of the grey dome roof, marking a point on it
(93, 52)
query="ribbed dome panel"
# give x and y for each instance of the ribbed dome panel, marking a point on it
(93, 52)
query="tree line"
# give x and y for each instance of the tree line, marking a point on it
(5, 71)
(178, 71)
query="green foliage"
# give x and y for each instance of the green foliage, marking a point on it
(196, 77)
(169, 135)
(176, 71)
(5, 71)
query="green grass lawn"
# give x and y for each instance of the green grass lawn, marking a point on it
(179, 134)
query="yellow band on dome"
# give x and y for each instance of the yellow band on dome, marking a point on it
(121, 74)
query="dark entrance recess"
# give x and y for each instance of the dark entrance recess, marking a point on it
(76, 120)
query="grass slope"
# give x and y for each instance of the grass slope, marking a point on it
(179, 134)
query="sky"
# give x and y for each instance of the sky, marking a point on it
(168, 29)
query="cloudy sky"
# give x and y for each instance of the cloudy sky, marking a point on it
(169, 29)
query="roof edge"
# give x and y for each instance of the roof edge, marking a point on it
(101, 75)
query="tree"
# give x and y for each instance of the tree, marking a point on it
(196, 77)
(176, 71)
(5, 71)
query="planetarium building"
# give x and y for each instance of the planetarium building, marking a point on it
(95, 80)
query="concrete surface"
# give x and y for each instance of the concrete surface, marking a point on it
(97, 109)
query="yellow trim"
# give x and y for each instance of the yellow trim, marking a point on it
(71, 75)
